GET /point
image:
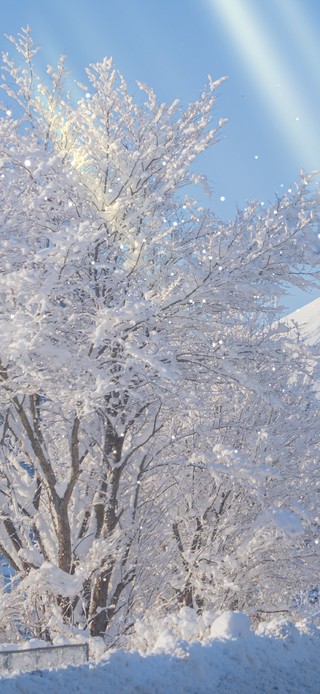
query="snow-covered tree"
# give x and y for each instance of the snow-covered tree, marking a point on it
(142, 387)
(247, 528)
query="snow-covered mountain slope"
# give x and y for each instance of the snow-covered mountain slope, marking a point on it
(308, 319)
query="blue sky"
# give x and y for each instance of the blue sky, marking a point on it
(269, 49)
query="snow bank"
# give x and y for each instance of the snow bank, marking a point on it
(279, 657)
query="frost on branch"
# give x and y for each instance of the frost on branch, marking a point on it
(155, 419)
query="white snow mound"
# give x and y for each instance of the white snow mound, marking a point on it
(279, 657)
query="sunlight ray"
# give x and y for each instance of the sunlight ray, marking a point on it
(304, 34)
(282, 95)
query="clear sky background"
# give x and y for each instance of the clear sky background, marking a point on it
(269, 49)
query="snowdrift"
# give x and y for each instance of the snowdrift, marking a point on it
(278, 657)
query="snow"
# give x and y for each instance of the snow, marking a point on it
(278, 657)
(308, 320)
(50, 578)
(287, 521)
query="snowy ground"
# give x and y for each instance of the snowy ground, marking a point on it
(235, 660)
